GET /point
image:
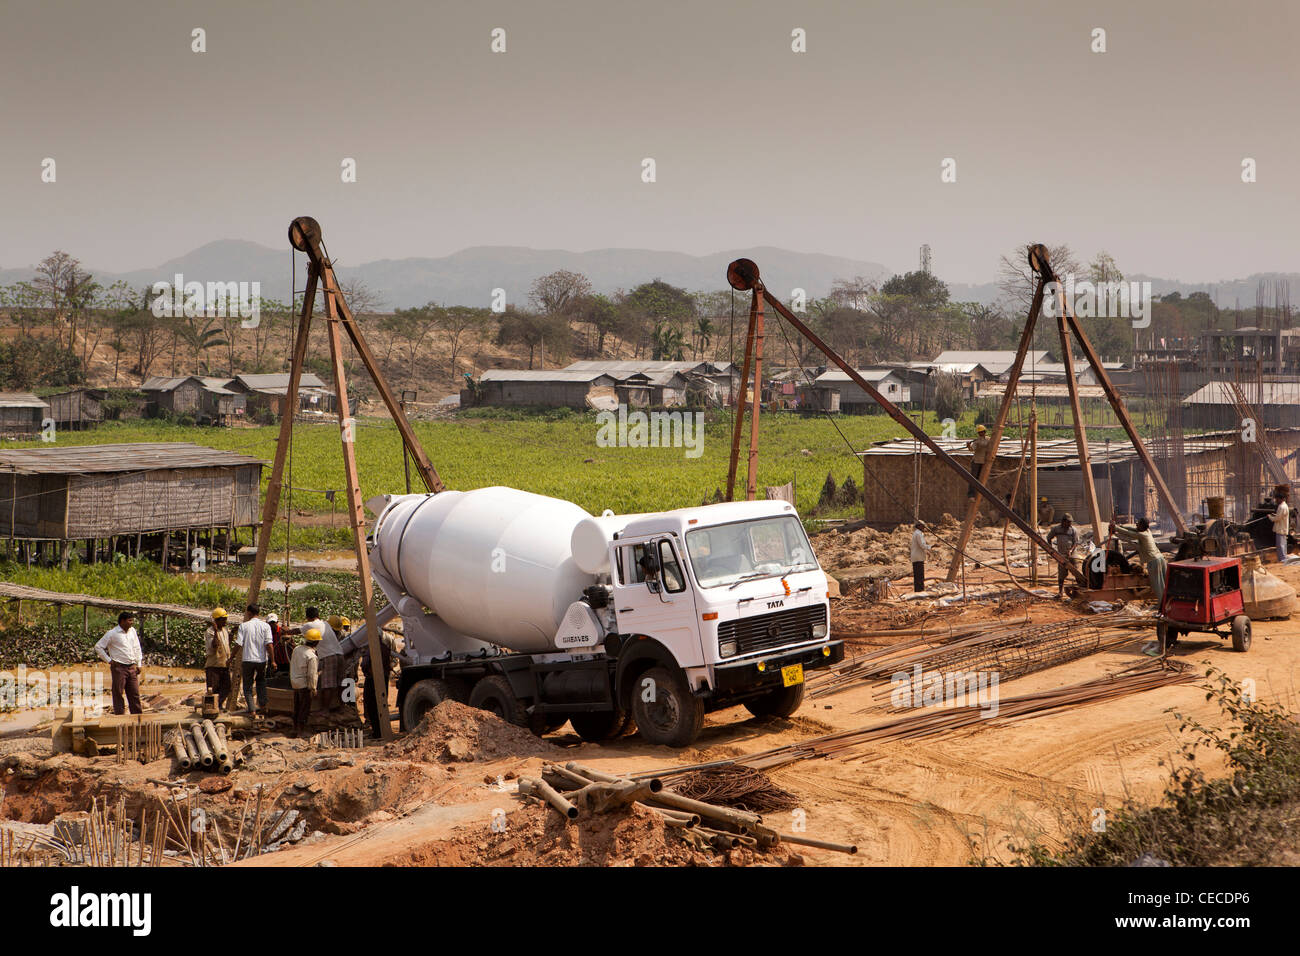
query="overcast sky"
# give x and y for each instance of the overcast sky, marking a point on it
(1137, 150)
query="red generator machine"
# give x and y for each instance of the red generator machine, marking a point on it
(1203, 595)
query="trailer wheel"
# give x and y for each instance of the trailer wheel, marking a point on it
(493, 694)
(781, 702)
(1241, 633)
(422, 696)
(1167, 636)
(665, 710)
(598, 726)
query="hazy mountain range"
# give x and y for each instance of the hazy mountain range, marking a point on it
(469, 276)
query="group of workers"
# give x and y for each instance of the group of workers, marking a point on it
(260, 647)
(246, 656)
(1064, 537)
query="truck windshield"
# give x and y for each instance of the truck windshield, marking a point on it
(764, 547)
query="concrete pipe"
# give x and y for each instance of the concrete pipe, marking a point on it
(178, 750)
(201, 745)
(215, 742)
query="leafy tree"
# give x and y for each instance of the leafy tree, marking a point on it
(537, 331)
(602, 314)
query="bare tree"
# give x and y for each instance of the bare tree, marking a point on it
(1016, 280)
(457, 323)
(853, 293)
(558, 292)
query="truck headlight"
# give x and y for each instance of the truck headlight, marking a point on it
(819, 630)
(728, 649)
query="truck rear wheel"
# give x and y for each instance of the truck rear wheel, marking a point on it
(1241, 633)
(781, 702)
(665, 710)
(597, 726)
(422, 696)
(494, 694)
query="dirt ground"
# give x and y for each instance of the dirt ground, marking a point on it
(446, 793)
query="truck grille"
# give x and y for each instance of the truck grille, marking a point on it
(766, 631)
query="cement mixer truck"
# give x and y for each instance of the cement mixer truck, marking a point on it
(534, 609)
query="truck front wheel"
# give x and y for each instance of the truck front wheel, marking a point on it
(665, 710)
(781, 702)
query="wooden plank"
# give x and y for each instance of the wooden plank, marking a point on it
(986, 471)
(355, 506)
(271, 504)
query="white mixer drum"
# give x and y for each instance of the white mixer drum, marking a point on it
(493, 563)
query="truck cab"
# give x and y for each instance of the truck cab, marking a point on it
(731, 597)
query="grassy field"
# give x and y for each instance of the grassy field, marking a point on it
(38, 640)
(545, 453)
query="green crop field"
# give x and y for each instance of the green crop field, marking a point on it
(545, 453)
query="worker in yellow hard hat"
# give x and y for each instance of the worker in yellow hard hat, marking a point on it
(216, 665)
(304, 673)
(330, 655)
(1046, 513)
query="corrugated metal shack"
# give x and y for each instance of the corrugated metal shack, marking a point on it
(1277, 404)
(266, 393)
(897, 471)
(119, 494)
(78, 408)
(21, 414)
(673, 382)
(551, 388)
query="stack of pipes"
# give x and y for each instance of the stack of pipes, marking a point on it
(203, 745)
(574, 787)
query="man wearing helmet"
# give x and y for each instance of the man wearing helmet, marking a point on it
(216, 666)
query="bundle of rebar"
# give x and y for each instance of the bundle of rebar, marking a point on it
(743, 788)
(574, 787)
(848, 744)
(1009, 650)
(342, 739)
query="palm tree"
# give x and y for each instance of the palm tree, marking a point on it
(703, 334)
(200, 338)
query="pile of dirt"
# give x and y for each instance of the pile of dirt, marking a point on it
(535, 835)
(453, 732)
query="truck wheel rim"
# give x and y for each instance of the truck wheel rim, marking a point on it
(662, 712)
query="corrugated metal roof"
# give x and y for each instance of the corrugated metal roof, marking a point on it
(541, 375)
(835, 376)
(1052, 452)
(99, 459)
(1274, 393)
(278, 380)
(1002, 359)
(1041, 389)
(160, 383)
(21, 400)
(622, 369)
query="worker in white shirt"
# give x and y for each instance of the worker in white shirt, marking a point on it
(919, 552)
(330, 654)
(254, 641)
(120, 649)
(1281, 519)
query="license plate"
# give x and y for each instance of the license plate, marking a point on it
(792, 675)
